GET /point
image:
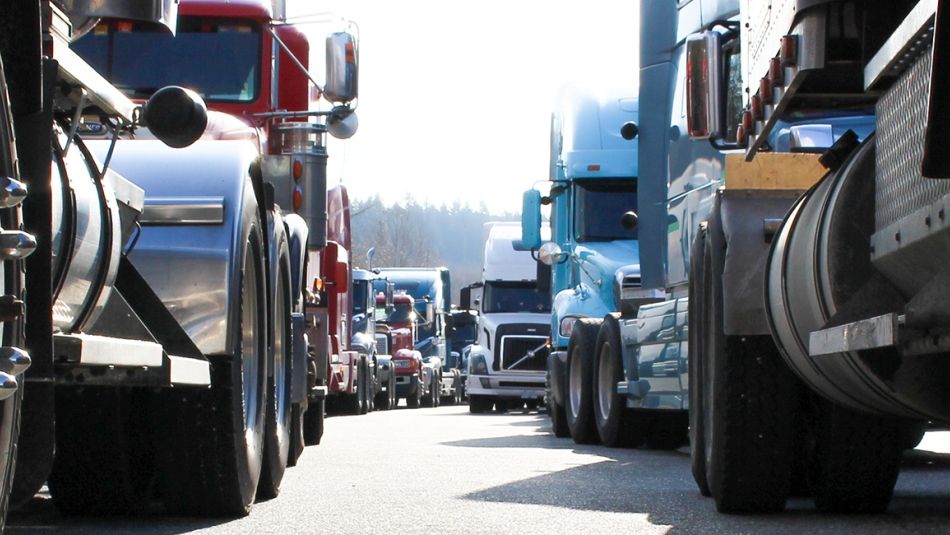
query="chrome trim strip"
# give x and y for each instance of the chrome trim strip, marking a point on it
(91, 350)
(187, 371)
(909, 40)
(183, 211)
(872, 333)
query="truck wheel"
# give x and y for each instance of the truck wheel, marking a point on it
(11, 332)
(458, 389)
(211, 461)
(558, 420)
(394, 399)
(616, 425)
(277, 435)
(749, 405)
(856, 459)
(313, 421)
(297, 441)
(698, 288)
(362, 388)
(479, 404)
(531, 405)
(436, 390)
(580, 381)
(384, 399)
(501, 406)
(414, 399)
(104, 461)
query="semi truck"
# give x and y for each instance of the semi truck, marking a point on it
(154, 337)
(506, 365)
(593, 184)
(346, 371)
(416, 379)
(814, 369)
(431, 292)
(380, 381)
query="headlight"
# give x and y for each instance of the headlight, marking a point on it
(477, 365)
(566, 327)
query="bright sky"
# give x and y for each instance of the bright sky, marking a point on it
(456, 96)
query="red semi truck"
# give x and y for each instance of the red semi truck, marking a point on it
(171, 239)
(416, 381)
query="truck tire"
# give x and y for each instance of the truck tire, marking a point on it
(297, 441)
(104, 461)
(501, 406)
(212, 455)
(385, 398)
(749, 404)
(580, 381)
(363, 382)
(696, 380)
(11, 332)
(313, 421)
(414, 399)
(277, 430)
(558, 420)
(856, 459)
(480, 404)
(436, 390)
(617, 426)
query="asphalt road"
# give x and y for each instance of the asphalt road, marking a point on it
(443, 471)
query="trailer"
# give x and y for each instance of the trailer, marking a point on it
(162, 304)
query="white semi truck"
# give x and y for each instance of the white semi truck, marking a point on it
(507, 364)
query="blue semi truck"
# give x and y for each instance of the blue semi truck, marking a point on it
(593, 256)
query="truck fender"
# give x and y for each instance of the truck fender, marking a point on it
(740, 245)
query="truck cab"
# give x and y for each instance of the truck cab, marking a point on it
(506, 365)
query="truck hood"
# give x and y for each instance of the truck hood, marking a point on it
(601, 260)
(490, 322)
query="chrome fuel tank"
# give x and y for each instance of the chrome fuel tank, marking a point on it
(86, 241)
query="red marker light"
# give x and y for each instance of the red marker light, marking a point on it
(765, 90)
(755, 105)
(593, 167)
(789, 50)
(350, 53)
(298, 170)
(298, 199)
(776, 72)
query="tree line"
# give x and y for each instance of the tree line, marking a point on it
(421, 235)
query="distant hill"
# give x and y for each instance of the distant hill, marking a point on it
(421, 235)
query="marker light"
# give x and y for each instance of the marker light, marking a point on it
(776, 72)
(593, 167)
(298, 170)
(765, 90)
(298, 199)
(789, 50)
(755, 105)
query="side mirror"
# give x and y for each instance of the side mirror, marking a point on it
(176, 115)
(465, 298)
(342, 81)
(703, 86)
(531, 220)
(390, 291)
(342, 123)
(430, 312)
(550, 253)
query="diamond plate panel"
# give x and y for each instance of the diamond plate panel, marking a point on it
(901, 124)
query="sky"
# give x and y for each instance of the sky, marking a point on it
(456, 96)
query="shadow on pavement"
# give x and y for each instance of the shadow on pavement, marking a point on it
(659, 485)
(40, 515)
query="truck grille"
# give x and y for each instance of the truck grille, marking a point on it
(512, 342)
(524, 353)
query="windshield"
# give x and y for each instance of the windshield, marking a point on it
(463, 335)
(598, 207)
(402, 313)
(218, 58)
(514, 297)
(360, 296)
